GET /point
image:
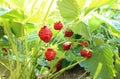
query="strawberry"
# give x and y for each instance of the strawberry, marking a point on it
(83, 52)
(45, 34)
(58, 25)
(68, 33)
(50, 54)
(59, 65)
(86, 53)
(84, 44)
(89, 54)
(66, 45)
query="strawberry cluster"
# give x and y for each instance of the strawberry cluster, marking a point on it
(45, 34)
(85, 52)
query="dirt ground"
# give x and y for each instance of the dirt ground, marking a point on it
(73, 73)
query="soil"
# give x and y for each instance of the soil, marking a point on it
(74, 73)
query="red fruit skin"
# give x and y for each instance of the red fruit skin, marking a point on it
(66, 45)
(68, 33)
(58, 25)
(83, 53)
(84, 44)
(45, 34)
(89, 54)
(59, 66)
(50, 54)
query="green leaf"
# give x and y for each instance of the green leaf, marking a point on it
(60, 54)
(70, 56)
(43, 71)
(93, 23)
(99, 39)
(17, 28)
(82, 29)
(81, 3)
(118, 75)
(2, 11)
(68, 9)
(113, 25)
(4, 42)
(92, 4)
(65, 63)
(117, 66)
(32, 37)
(100, 64)
(16, 14)
(30, 27)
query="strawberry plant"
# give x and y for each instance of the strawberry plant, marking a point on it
(44, 38)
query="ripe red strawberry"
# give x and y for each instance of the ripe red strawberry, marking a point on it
(89, 54)
(58, 25)
(50, 54)
(68, 33)
(83, 52)
(45, 34)
(59, 65)
(84, 44)
(66, 45)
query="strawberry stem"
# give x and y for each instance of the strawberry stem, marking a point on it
(47, 11)
(13, 44)
(64, 69)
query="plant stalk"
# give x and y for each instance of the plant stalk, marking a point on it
(64, 69)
